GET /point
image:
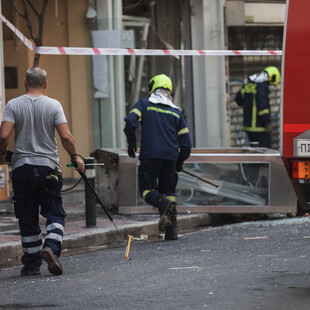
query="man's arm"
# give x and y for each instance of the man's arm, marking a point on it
(132, 123)
(67, 141)
(185, 150)
(5, 131)
(185, 144)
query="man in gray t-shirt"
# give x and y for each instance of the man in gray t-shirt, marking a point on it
(36, 176)
(35, 119)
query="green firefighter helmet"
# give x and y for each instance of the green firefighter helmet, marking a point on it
(160, 81)
(273, 75)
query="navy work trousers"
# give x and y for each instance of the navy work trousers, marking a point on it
(35, 186)
(263, 138)
(157, 177)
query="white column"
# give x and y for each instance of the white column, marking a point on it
(109, 17)
(209, 74)
(119, 79)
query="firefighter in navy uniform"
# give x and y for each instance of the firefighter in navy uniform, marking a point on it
(254, 98)
(165, 145)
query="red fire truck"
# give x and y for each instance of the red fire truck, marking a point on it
(295, 112)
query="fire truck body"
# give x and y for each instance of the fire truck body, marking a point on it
(295, 140)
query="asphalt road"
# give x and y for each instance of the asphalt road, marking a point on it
(253, 265)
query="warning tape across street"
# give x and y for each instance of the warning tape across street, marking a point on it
(23, 38)
(53, 50)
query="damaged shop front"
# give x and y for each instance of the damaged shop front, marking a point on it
(245, 180)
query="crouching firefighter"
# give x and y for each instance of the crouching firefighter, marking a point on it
(165, 145)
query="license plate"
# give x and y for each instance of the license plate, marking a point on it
(302, 148)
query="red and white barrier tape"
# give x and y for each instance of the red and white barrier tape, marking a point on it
(53, 50)
(26, 41)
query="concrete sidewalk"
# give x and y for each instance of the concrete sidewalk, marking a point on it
(79, 239)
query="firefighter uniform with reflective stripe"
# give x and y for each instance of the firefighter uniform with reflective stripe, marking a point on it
(254, 98)
(165, 144)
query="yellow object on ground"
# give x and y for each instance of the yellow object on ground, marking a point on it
(128, 248)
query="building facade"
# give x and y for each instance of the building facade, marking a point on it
(97, 91)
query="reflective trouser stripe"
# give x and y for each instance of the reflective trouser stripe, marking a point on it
(52, 226)
(171, 198)
(54, 236)
(32, 250)
(145, 193)
(32, 244)
(32, 238)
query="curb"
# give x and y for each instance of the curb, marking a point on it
(98, 238)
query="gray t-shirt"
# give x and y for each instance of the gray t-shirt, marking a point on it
(35, 119)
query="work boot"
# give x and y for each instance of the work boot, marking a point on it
(53, 263)
(25, 271)
(165, 207)
(172, 230)
(165, 215)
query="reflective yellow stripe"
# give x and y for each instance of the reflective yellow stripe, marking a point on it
(163, 111)
(136, 111)
(254, 112)
(263, 112)
(171, 198)
(250, 88)
(183, 131)
(255, 129)
(145, 193)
